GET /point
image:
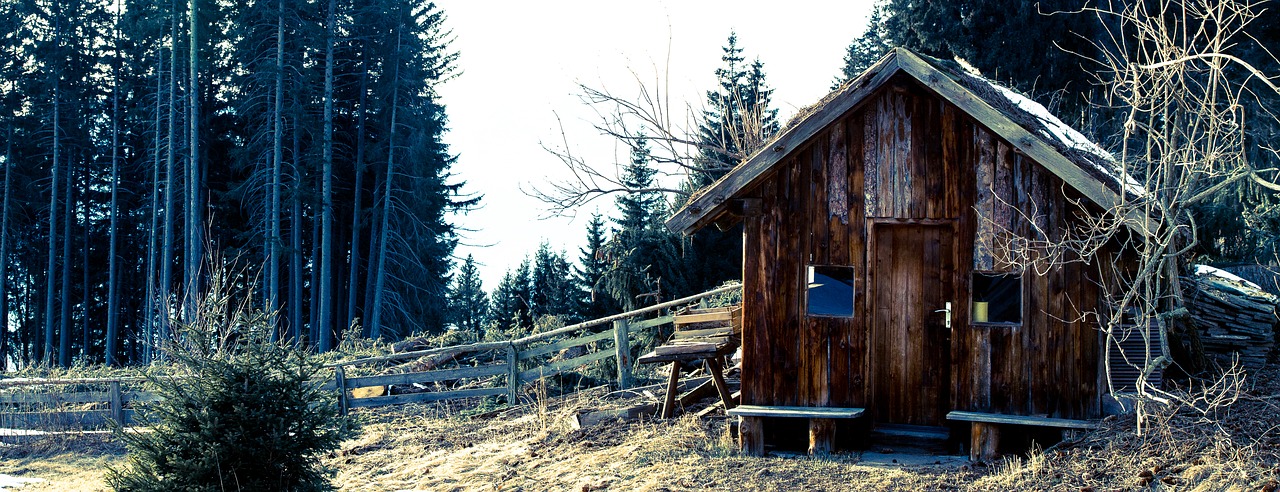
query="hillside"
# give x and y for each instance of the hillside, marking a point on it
(535, 447)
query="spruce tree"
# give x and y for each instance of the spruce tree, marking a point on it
(739, 119)
(550, 284)
(469, 305)
(592, 302)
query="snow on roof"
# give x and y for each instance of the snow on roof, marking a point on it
(1066, 137)
(1223, 274)
(1035, 118)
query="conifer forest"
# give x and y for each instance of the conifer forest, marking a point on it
(301, 144)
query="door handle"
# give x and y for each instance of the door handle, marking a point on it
(947, 309)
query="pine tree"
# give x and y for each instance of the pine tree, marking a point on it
(550, 279)
(505, 303)
(739, 116)
(867, 48)
(592, 302)
(469, 305)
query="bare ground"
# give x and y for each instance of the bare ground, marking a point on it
(536, 447)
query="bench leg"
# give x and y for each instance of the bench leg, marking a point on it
(673, 384)
(751, 435)
(717, 375)
(822, 436)
(984, 437)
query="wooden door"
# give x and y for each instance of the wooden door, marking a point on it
(911, 276)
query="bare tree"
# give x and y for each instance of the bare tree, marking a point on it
(1179, 92)
(676, 147)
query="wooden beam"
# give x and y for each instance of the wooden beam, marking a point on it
(800, 412)
(1028, 420)
(822, 436)
(984, 440)
(751, 435)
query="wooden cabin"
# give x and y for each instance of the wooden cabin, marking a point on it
(879, 274)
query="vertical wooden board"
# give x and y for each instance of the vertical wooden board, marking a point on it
(880, 283)
(1093, 337)
(929, 138)
(762, 351)
(841, 148)
(793, 278)
(1003, 197)
(915, 322)
(837, 173)
(1006, 370)
(815, 368)
(959, 314)
(983, 207)
(949, 161)
(1061, 339)
(856, 334)
(889, 127)
(871, 158)
(982, 369)
(903, 186)
(932, 298)
(819, 204)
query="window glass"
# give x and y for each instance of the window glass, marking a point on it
(997, 298)
(830, 291)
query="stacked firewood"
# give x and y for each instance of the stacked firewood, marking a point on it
(1235, 316)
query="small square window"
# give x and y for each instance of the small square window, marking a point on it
(830, 291)
(997, 298)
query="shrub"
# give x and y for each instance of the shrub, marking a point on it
(239, 414)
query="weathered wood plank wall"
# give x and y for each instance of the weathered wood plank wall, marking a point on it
(906, 154)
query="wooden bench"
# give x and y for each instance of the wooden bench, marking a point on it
(822, 424)
(700, 335)
(984, 433)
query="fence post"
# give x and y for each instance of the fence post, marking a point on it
(513, 374)
(117, 404)
(622, 344)
(340, 382)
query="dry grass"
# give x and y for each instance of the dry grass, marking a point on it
(538, 449)
(63, 463)
(535, 447)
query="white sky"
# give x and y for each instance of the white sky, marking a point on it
(521, 63)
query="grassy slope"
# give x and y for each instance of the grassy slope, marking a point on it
(534, 448)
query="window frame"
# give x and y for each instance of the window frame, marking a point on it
(1022, 298)
(810, 270)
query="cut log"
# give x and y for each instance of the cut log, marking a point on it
(368, 391)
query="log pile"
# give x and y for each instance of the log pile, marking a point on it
(1236, 318)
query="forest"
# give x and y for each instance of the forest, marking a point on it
(301, 145)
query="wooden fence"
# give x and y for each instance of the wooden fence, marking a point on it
(511, 363)
(55, 405)
(89, 403)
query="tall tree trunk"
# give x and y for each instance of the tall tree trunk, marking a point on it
(149, 306)
(326, 197)
(194, 217)
(64, 324)
(113, 293)
(380, 278)
(4, 255)
(353, 278)
(277, 163)
(86, 291)
(170, 200)
(295, 258)
(47, 354)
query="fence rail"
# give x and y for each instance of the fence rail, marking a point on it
(514, 352)
(70, 410)
(513, 364)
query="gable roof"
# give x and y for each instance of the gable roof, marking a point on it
(1025, 124)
